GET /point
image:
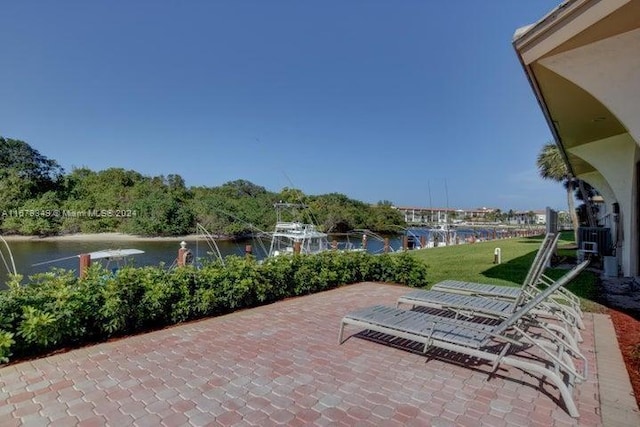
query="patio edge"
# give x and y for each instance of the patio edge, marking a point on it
(617, 402)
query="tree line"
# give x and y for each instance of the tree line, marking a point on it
(37, 197)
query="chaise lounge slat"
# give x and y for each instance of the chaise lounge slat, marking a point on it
(477, 289)
(424, 325)
(437, 299)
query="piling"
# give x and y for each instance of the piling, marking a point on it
(85, 263)
(182, 254)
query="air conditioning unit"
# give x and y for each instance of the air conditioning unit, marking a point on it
(601, 236)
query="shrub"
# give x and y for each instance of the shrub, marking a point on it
(278, 273)
(122, 294)
(408, 270)
(6, 341)
(57, 309)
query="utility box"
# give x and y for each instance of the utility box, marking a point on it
(610, 266)
(599, 235)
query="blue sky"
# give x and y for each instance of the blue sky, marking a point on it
(417, 102)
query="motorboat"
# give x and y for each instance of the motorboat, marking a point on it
(294, 235)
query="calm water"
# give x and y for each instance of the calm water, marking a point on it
(27, 254)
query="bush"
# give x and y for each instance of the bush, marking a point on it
(6, 341)
(56, 309)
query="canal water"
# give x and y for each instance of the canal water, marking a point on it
(35, 256)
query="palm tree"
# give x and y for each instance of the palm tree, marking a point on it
(552, 166)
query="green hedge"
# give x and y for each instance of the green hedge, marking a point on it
(58, 310)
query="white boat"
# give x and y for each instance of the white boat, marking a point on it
(293, 236)
(433, 236)
(114, 258)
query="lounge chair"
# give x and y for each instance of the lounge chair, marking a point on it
(470, 306)
(498, 343)
(533, 275)
(565, 304)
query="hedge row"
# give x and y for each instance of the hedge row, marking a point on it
(57, 310)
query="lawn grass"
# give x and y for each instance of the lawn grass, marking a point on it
(475, 263)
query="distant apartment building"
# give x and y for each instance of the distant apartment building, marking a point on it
(423, 215)
(537, 217)
(426, 216)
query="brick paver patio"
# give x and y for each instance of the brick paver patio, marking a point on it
(279, 364)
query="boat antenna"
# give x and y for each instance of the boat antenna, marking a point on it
(6, 264)
(430, 203)
(211, 242)
(250, 225)
(313, 218)
(446, 193)
(54, 260)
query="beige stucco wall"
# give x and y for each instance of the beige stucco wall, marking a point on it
(615, 159)
(610, 71)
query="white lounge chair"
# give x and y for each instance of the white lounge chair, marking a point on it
(498, 343)
(565, 304)
(533, 275)
(470, 306)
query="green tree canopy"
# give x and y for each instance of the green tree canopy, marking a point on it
(551, 166)
(90, 201)
(41, 172)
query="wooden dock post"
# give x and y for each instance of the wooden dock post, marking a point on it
(182, 254)
(297, 247)
(85, 263)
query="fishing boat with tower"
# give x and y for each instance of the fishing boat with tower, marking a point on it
(294, 231)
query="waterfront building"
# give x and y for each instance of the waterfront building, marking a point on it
(583, 63)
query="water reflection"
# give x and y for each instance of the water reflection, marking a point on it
(35, 256)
